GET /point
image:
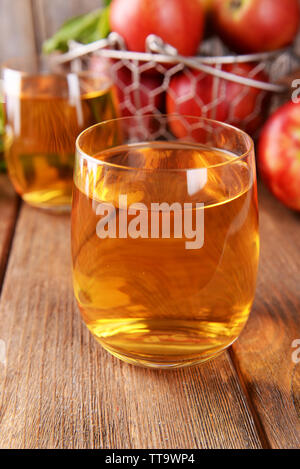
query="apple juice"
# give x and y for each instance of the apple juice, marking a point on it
(150, 299)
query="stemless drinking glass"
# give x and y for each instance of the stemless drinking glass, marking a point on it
(46, 108)
(165, 237)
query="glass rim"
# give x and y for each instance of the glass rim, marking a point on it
(220, 124)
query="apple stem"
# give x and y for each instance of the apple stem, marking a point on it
(235, 4)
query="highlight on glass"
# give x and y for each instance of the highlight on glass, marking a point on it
(165, 241)
(46, 107)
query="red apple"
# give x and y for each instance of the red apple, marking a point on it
(178, 22)
(279, 154)
(193, 93)
(256, 25)
(100, 65)
(144, 96)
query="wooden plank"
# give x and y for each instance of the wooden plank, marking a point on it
(49, 16)
(263, 354)
(8, 214)
(17, 32)
(296, 385)
(60, 389)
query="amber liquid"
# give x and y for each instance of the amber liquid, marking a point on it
(42, 124)
(152, 301)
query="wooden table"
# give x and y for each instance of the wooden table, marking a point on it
(60, 389)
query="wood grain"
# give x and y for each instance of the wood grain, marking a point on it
(60, 389)
(296, 386)
(8, 213)
(16, 30)
(263, 354)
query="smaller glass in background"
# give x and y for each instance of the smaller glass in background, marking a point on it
(45, 110)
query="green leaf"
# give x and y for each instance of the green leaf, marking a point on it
(82, 28)
(103, 25)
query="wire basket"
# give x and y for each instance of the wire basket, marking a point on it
(237, 89)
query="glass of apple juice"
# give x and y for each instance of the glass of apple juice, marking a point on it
(46, 107)
(165, 241)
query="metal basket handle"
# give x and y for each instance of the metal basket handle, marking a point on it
(159, 51)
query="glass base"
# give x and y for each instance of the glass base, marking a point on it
(163, 344)
(165, 364)
(58, 205)
(54, 209)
